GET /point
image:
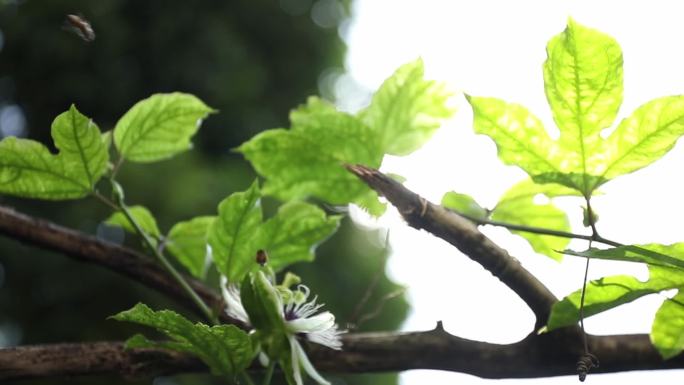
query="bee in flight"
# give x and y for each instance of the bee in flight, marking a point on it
(80, 26)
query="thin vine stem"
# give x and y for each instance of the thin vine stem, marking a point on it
(587, 361)
(247, 378)
(149, 242)
(594, 234)
(581, 309)
(543, 231)
(269, 373)
(106, 201)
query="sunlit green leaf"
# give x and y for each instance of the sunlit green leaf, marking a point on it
(667, 332)
(159, 127)
(232, 235)
(464, 204)
(522, 141)
(292, 234)
(28, 169)
(517, 207)
(187, 241)
(226, 349)
(407, 109)
(308, 160)
(653, 254)
(142, 216)
(583, 84)
(601, 295)
(641, 139)
(107, 139)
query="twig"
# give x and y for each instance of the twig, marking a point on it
(199, 302)
(540, 230)
(356, 313)
(463, 234)
(536, 356)
(86, 248)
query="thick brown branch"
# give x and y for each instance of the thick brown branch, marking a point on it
(463, 234)
(86, 248)
(536, 356)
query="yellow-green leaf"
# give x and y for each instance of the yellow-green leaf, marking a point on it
(187, 242)
(517, 207)
(142, 216)
(667, 332)
(159, 127)
(464, 204)
(641, 139)
(233, 235)
(308, 160)
(521, 140)
(601, 295)
(583, 84)
(407, 109)
(226, 349)
(28, 169)
(293, 233)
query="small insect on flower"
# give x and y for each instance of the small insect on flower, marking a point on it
(80, 26)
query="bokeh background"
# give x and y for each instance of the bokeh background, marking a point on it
(253, 60)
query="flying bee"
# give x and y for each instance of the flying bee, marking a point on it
(80, 26)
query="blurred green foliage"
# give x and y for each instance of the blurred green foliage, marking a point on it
(251, 60)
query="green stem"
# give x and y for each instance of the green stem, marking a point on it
(540, 230)
(269, 373)
(117, 166)
(106, 201)
(165, 262)
(247, 378)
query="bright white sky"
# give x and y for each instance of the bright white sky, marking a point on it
(496, 48)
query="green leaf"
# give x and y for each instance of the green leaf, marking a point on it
(641, 139)
(265, 310)
(187, 241)
(159, 127)
(464, 204)
(521, 140)
(28, 169)
(407, 109)
(601, 295)
(289, 237)
(652, 254)
(292, 234)
(583, 84)
(262, 302)
(107, 139)
(517, 207)
(142, 216)
(232, 235)
(308, 160)
(667, 332)
(226, 349)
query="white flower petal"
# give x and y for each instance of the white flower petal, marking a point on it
(313, 324)
(329, 337)
(296, 373)
(231, 295)
(263, 359)
(310, 370)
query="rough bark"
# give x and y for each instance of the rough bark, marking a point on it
(545, 355)
(86, 248)
(463, 234)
